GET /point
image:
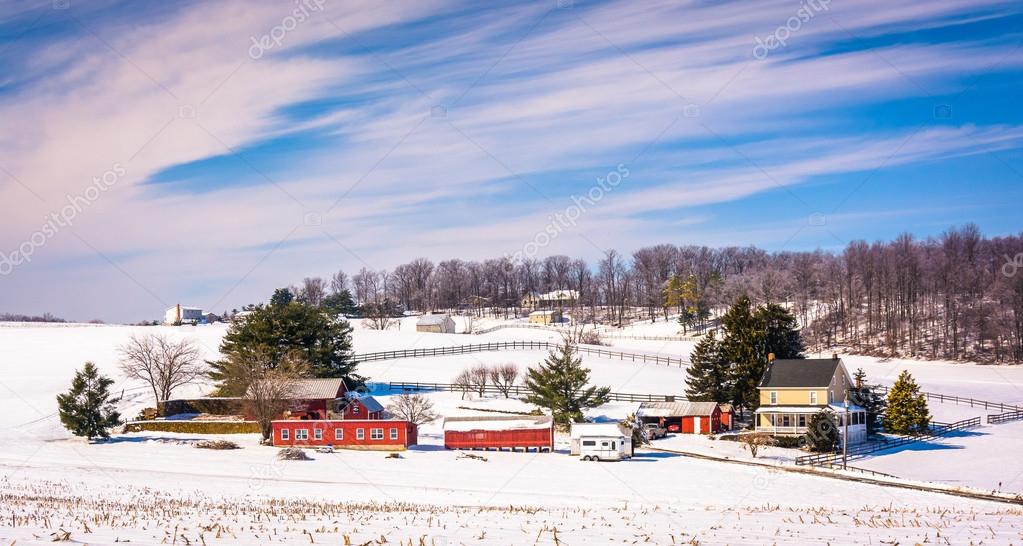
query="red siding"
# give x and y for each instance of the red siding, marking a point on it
(357, 410)
(499, 439)
(404, 433)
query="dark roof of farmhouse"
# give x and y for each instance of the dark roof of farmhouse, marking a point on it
(800, 372)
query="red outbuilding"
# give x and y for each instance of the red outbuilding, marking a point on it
(370, 434)
(504, 432)
(685, 417)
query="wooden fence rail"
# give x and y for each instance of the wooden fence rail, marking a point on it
(1005, 417)
(517, 345)
(518, 390)
(936, 430)
(961, 400)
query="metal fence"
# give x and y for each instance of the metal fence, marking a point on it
(518, 390)
(935, 430)
(517, 345)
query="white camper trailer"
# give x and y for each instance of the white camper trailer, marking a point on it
(600, 442)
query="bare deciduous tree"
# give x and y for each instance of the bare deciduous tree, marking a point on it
(312, 291)
(479, 378)
(463, 383)
(339, 282)
(414, 408)
(754, 442)
(164, 364)
(503, 377)
(270, 390)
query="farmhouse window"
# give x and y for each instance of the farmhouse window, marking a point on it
(317, 433)
(774, 398)
(284, 434)
(339, 434)
(802, 420)
(813, 397)
(360, 434)
(376, 434)
(394, 433)
(302, 434)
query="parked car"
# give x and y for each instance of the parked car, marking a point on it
(653, 431)
(325, 449)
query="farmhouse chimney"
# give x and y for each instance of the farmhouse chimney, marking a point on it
(834, 356)
(177, 312)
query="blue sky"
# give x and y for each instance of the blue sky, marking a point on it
(364, 134)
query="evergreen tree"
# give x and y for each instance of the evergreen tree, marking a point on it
(560, 385)
(781, 335)
(339, 304)
(707, 376)
(865, 396)
(86, 409)
(279, 330)
(907, 408)
(281, 296)
(743, 347)
(822, 432)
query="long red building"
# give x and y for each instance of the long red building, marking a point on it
(505, 432)
(370, 434)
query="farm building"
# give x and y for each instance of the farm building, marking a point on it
(375, 434)
(685, 417)
(362, 407)
(550, 316)
(727, 416)
(504, 432)
(316, 398)
(182, 315)
(587, 431)
(438, 323)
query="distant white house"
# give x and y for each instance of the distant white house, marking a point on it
(556, 298)
(183, 315)
(439, 323)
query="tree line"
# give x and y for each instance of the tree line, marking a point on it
(955, 296)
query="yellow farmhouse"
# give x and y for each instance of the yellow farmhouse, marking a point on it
(791, 391)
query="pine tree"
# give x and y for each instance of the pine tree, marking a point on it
(822, 432)
(907, 408)
(281, 296)
(707, 377)
(742, 346)
(280, 330)
(781, 334)
(339, 304)
(86, 409)
(560, 385)
(863, 395)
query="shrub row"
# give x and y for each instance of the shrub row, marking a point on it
(194, 427)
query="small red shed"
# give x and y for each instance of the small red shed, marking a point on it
(369, 434)
(683, 417)
(363, 407)
(727, 416)
(315, 398)
(504, 432)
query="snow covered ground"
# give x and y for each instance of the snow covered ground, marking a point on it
(152, 488)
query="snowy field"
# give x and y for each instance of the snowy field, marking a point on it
(157, 488)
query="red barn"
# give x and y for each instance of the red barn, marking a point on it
(316, 398)
(727, 416)
(684, 417)
(369, 434)
(363, 407)
(504, 432)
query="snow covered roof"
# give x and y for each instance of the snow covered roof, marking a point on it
(596, 429)
(800, 372)
(320, 388)
(516, 422)
(433, 320)
(676, 409)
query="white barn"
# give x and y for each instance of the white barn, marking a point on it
(439, 323)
